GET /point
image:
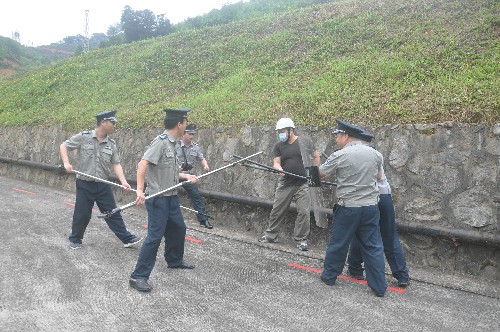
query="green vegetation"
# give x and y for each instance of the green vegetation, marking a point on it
(367, 61)
(244, 11)
(16, 58)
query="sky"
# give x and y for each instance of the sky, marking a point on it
(44, 22)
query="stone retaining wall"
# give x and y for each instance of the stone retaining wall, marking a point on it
(443, 174)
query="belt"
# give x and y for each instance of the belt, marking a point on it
(342, 202)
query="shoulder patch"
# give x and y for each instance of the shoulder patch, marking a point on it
(163, 136)
(85, 132)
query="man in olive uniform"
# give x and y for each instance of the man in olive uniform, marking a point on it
(392, 247)
(159, 168)
(97, 152)
(188, 153)
(357, 168)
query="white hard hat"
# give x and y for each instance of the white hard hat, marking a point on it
(284, 123)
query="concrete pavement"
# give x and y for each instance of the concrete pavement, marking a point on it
(238, 284)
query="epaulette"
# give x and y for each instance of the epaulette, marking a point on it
(163, 136)
(111, 140)
(85, 132)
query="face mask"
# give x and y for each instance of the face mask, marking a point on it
(282, 137)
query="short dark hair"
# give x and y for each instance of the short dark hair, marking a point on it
(170, 123)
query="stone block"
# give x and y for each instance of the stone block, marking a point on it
(474, 207)
(425, 209)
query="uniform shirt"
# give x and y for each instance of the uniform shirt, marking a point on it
(383, 185)
(356, 167)
(291, 159)
(163, 171)
(193, 153)
(94, 158)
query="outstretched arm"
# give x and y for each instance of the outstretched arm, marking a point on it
(63, 151)
(316, 158)
(205, 165)
(142, 168)
(117, 168)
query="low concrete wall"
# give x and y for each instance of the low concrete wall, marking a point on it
(443, 174)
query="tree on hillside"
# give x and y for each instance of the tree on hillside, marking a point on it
(97, 39)
(163, 26)
(143, 24)
(114, 30)
(70, 43)
(115, 36)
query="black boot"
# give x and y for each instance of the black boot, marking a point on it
(206, 224)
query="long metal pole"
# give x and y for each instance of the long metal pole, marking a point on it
(123, 187)
(274, 170)
(126, 206)
(101, 180)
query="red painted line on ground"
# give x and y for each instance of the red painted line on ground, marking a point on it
(352, 279)
(307, 268)
(193, 240)
(24, 191)
(311, 269)
(396, 289)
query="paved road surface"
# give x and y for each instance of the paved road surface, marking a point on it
(238, 284)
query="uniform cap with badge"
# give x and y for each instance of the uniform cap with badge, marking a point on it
(107, 116)
(191, 128)
(177, 113)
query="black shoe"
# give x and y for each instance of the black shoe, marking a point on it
(206, 224)
(182, 265)
(75, 245)
(265, 238)
(379, 294)
(132, 241)
(328, 282)
(403, 283)
(140, 284)
(355, 276)
(303, 245)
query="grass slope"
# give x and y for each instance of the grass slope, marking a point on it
(368, 61)
(16, 58)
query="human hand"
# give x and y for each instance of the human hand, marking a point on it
(279, 168)
(68, 167)
(127, 186)
(192, 178)
(140, 198)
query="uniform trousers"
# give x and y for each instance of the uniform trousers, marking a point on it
(88, 193)
(362, 222)
(164, 221)
(283, 197)
(196, 200)
(390, 239)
